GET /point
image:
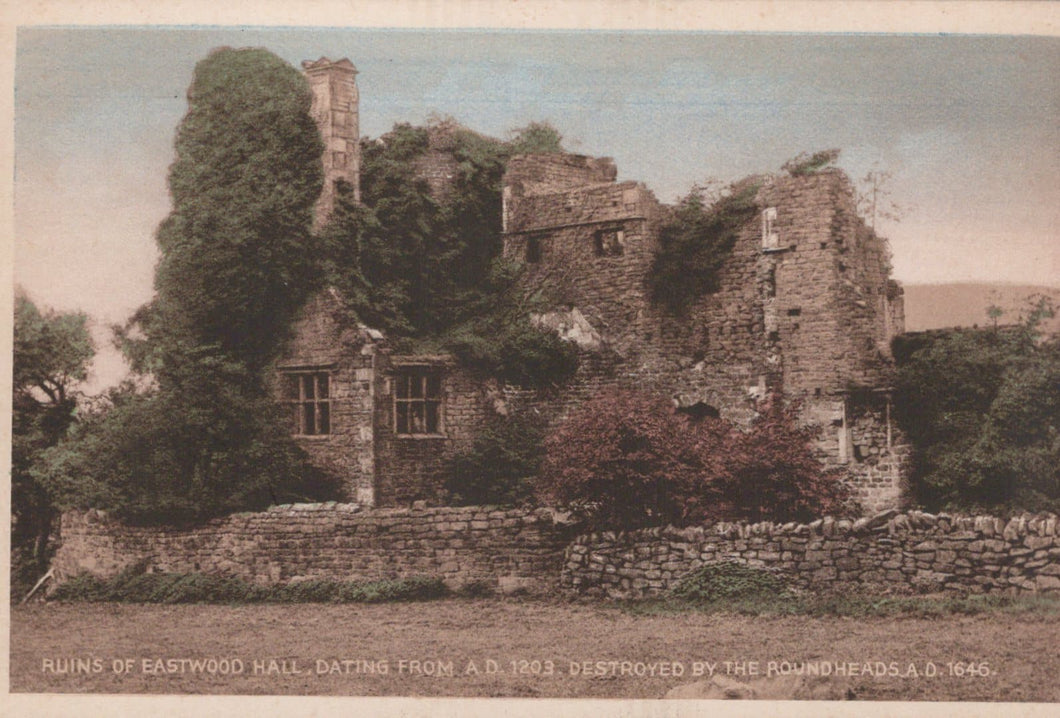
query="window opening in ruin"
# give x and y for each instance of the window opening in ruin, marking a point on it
(771, 282)
(859, 453)
(418, 401)
(699, 411)
(609, 243)
(794, 311)
(843, 436)
(308, 398)
(770, 238)
(533, 250)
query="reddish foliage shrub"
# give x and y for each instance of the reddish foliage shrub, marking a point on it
(773, 472)
(626, 459)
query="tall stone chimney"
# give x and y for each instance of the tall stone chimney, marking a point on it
(335, 109)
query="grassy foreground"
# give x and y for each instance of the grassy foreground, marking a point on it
(527, 648)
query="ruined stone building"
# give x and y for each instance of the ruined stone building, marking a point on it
(804, 306)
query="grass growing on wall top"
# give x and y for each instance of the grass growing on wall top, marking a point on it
(134, 586)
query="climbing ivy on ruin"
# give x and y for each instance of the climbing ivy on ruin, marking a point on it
(694, 243)
(426, 268)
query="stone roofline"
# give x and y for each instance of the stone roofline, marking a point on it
(324, 64)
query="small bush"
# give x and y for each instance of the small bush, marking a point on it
(84, 587)
(416, 588)
(806, 164)
(312, 591)
(476, 589)
(773, 472)
(727, 581)
(496, 469)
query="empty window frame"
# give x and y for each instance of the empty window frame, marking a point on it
(770, 239)
(418, 401)
(307, 395)
(609, 243)
(533, 250)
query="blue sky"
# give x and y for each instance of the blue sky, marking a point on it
(967, 125)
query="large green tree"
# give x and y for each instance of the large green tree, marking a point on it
(237, 250)
(50, 358)
(982, 409)
(237, 259)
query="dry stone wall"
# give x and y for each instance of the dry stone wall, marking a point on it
(507, 549)
(911, 552)
(536, 550)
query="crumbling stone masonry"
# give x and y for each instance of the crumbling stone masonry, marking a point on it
(351, 423)
(805, 305)
(336, 109)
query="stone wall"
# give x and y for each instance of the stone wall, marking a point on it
(503, 548)
(547, 173)
(535, 550)
(439, 170)
(411, 468)
(912, 552)
(325, 341)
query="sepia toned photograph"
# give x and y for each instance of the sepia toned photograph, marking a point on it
(646, 370)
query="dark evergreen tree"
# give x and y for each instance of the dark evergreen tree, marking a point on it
(237, 259)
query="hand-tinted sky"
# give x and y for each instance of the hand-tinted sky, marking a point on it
(968, 127)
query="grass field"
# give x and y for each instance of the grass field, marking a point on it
(325, 649)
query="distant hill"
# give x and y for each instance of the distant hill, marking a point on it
(934, 306)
